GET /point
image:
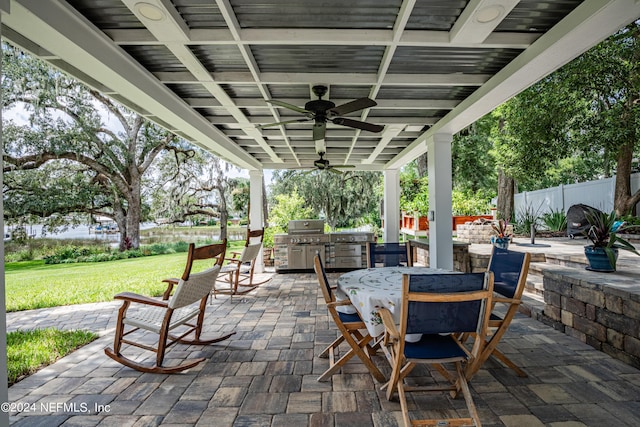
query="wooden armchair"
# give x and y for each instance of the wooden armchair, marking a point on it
(236, 278)
(183, 312)
(440, 307)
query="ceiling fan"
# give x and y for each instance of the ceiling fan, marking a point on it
(320, 110)
(322, 164)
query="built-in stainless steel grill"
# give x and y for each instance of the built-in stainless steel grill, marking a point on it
(306, 238)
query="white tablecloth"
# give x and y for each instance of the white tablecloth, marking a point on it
(374, 288)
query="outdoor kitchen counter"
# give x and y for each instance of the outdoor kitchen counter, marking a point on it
(461, 260)
(339, 251)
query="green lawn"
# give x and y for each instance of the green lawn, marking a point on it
(28, 351)
(32, 284)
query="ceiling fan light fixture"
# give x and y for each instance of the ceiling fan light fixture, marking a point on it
(489, 14)
(150, 11)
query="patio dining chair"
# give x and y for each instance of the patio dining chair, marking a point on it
(387, 254)
(441, 307)
(510, 269)
(183, 313)
(236, 277)
(352, 331)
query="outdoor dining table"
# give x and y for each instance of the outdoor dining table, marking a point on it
(374, 288)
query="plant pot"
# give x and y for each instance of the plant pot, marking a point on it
(267, 257)
(500, 242)
(598, 259)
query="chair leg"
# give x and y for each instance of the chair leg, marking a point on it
(504, 359)
(117, 341)
(357, 348)
(325, 353)
(471, 407)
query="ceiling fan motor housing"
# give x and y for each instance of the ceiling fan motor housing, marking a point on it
(319, 106)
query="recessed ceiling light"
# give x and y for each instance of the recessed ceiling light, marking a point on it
(489, 14)
(150, 11)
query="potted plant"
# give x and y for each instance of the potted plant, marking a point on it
(603, 230)
(267, 245)
(503, 236)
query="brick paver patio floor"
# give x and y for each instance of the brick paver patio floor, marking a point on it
(265, 375)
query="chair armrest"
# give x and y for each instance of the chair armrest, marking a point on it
(389, 324)
(339, 303)
(131, 297)
(171, 280)
(506, 300)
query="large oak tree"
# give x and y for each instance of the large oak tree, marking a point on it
(102, 165)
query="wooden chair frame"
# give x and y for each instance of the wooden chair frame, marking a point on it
(402, 365)
(238, 273)
(509, 295)
(178, 311)
(350, 327)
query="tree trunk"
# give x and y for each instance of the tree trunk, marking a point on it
(624, 202)
(224, 214)
(506, 192)
(422, 165)
(265, 204)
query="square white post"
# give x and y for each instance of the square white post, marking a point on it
(391, 205)
(256, 221)
(4, 389)
(440, 186)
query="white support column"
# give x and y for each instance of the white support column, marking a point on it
(4, 389)
(391, 205)
(440, 186)
(256, 220)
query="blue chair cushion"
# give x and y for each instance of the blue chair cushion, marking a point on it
(433, 346)
(349, 318)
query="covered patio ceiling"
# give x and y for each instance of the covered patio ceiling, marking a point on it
(205, 69)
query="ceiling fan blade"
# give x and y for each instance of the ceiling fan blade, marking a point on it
(333, 170)
(343, 166)
(282, 123)
(349, 107)
(319, 130)
(289, 106)
(357, 124)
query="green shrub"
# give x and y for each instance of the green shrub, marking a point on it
(525, 218)
(469, 203)
(181, 246)
(555, 220)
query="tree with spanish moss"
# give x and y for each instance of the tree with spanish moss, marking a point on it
(67, 160)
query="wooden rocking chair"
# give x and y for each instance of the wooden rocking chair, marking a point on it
(236, 278)
(184, 310)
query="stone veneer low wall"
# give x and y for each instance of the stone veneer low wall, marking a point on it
(478, 233)
(461, 261)
(604, 315)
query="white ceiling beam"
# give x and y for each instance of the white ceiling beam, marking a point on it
(479, 19)
(388, 134)
(339, 37)
(396, 104)
(231, 122)
(398, 28)
(171, 29)
(458, 79)
(234, 26)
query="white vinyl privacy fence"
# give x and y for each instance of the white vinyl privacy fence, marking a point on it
(598, 194)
